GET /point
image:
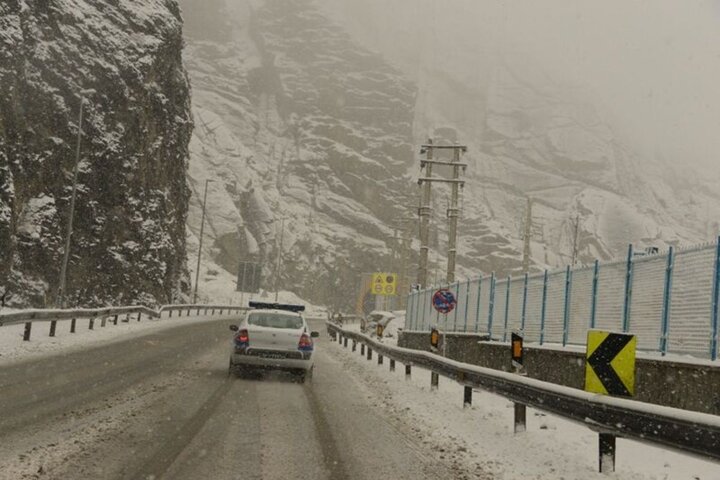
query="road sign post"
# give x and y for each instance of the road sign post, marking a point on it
(384, 283)
(444, 301)
(516, 344)
(520, 410)
(610, 363)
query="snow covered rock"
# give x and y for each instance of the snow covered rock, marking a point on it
(129, 233)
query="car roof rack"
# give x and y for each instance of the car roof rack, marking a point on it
(277, 306)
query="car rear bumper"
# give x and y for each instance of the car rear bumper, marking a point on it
(273, 360)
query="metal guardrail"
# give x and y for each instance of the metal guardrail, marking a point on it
(689, 432)
(28, 317)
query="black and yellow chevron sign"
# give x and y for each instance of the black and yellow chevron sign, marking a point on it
(610, 363)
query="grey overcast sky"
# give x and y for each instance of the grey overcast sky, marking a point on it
(651, 66)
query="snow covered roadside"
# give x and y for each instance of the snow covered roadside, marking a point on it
(481, 438)
(13, 348)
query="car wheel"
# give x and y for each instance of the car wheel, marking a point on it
(306, 376)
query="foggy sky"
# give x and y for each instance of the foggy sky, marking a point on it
(651, 67)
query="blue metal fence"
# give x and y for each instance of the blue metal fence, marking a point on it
(669, 300)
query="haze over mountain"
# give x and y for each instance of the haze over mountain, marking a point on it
(301, 113)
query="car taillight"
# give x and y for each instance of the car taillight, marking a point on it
(306, 343)
(242, 339)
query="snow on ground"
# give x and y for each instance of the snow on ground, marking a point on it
(13, 348)
(480, 437)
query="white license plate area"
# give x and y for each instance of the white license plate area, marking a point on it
(273, 356)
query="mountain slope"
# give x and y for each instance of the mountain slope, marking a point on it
(296, 121)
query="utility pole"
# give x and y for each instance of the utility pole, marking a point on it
(424, 212)
(452, 212)
(60, 302)
(202, 229)
(575, 240)
(277, 261)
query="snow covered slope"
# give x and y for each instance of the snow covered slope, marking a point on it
(294, 120)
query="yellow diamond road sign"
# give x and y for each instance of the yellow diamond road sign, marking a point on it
(610, 363)
(384, 283)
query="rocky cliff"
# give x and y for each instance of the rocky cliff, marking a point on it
(128, 243)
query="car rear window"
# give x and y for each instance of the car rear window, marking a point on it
(275, 320)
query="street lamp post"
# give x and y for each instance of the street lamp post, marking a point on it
(202, 229)
(60, 302)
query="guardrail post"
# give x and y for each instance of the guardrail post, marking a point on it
(345, 342)
(53, 325)
(667, 291)
(72, 326)
(520, 414)
(491, 306)
(115, 320)
(169, 313)
(198, 312)
(566, 310)
(103, 321)
(26, 333)
(467, 396)
(212, 312)
(380, 359)
(188, 314)
(392, 364)
(628, 290)
(477, 306)
(524, 304)
(340, 337)
(139, 315)
(606, 450)
(408, 371)
(362, 349)
(354, 345)
(543, 308)
(715, 302)
(593, 299)
(369, 353)
(507, 308)
(434, 380)
(91, 323)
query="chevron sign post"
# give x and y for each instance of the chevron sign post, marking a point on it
(610, 363)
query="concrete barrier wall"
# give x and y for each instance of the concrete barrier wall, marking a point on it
(690, 386)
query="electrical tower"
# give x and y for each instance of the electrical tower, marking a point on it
(453, 211)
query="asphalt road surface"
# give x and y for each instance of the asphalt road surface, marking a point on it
(162, 406)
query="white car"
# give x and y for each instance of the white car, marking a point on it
(273, 336)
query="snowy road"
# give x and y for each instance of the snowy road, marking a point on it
(162, 406)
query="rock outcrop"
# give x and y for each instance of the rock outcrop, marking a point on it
(128, 243)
